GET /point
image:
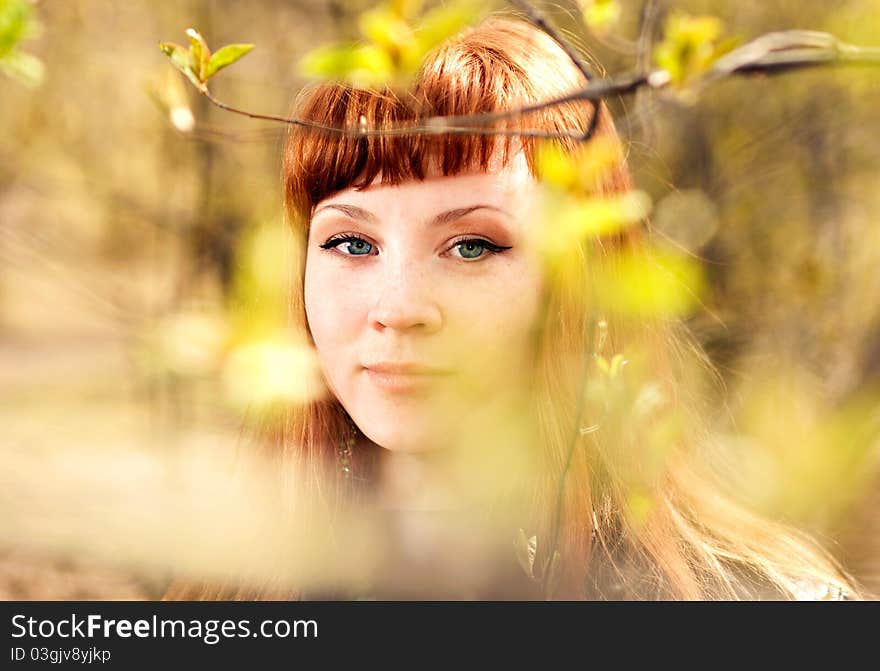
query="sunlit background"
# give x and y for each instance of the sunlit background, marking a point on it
(143, 263)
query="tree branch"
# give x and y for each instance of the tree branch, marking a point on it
(769, 54)
(539, 20)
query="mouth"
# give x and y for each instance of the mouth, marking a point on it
(404, 377)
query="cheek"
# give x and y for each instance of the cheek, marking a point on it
(492, 325)
(334, 311)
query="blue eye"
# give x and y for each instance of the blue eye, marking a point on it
(475, 248)
(358, 247)
(352, 245)
(471, 249)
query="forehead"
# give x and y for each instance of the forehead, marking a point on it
(500, 184)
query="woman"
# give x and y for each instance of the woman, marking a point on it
(466, 375)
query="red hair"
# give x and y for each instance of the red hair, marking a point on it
(695, 542)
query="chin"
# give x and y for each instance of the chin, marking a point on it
(398, 435)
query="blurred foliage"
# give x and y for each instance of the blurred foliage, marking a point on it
(582, 172)
(397, 40)
(142, 269)
(267, 365)
(600, 14)
(18, 24)
(795, 449)
(657, 282)
(690, 45)
(168, 92)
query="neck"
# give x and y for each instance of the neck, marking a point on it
(478, 468)
(416, 482)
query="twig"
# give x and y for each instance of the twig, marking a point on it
(644, 102)
(539, 20)
(468, 123)
(768, 54)
(791, 49)
(646, 34)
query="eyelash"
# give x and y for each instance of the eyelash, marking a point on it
(343, 238)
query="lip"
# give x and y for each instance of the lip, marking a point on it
(400, 377)
(404, 368)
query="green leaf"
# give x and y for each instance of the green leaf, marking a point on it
(182, 59)
(357, 64)
(27, 69)
(15, 24)
(226, 56)
(395, 47)
(180, 56)
(444, 21)
(201, 55)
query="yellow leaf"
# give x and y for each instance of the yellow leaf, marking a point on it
(650, 283)
(574, 220)
(600, 14)
(406, 9)
(200, 53)
(689, 47)
(639, 506)
(182, 59)
(582, 171)
(384, 28)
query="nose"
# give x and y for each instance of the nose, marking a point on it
(405, 301)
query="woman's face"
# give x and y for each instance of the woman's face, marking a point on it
(422, 300)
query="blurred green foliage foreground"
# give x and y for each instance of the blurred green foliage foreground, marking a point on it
(143, 260)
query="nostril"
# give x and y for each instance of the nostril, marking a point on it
(406, 315)
(404, 299)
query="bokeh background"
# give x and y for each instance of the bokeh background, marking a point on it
(140, 227)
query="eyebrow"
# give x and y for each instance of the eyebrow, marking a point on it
(348, 210)
(459, 212)
(443, 218)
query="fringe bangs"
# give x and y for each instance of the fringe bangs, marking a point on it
(471, 75)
